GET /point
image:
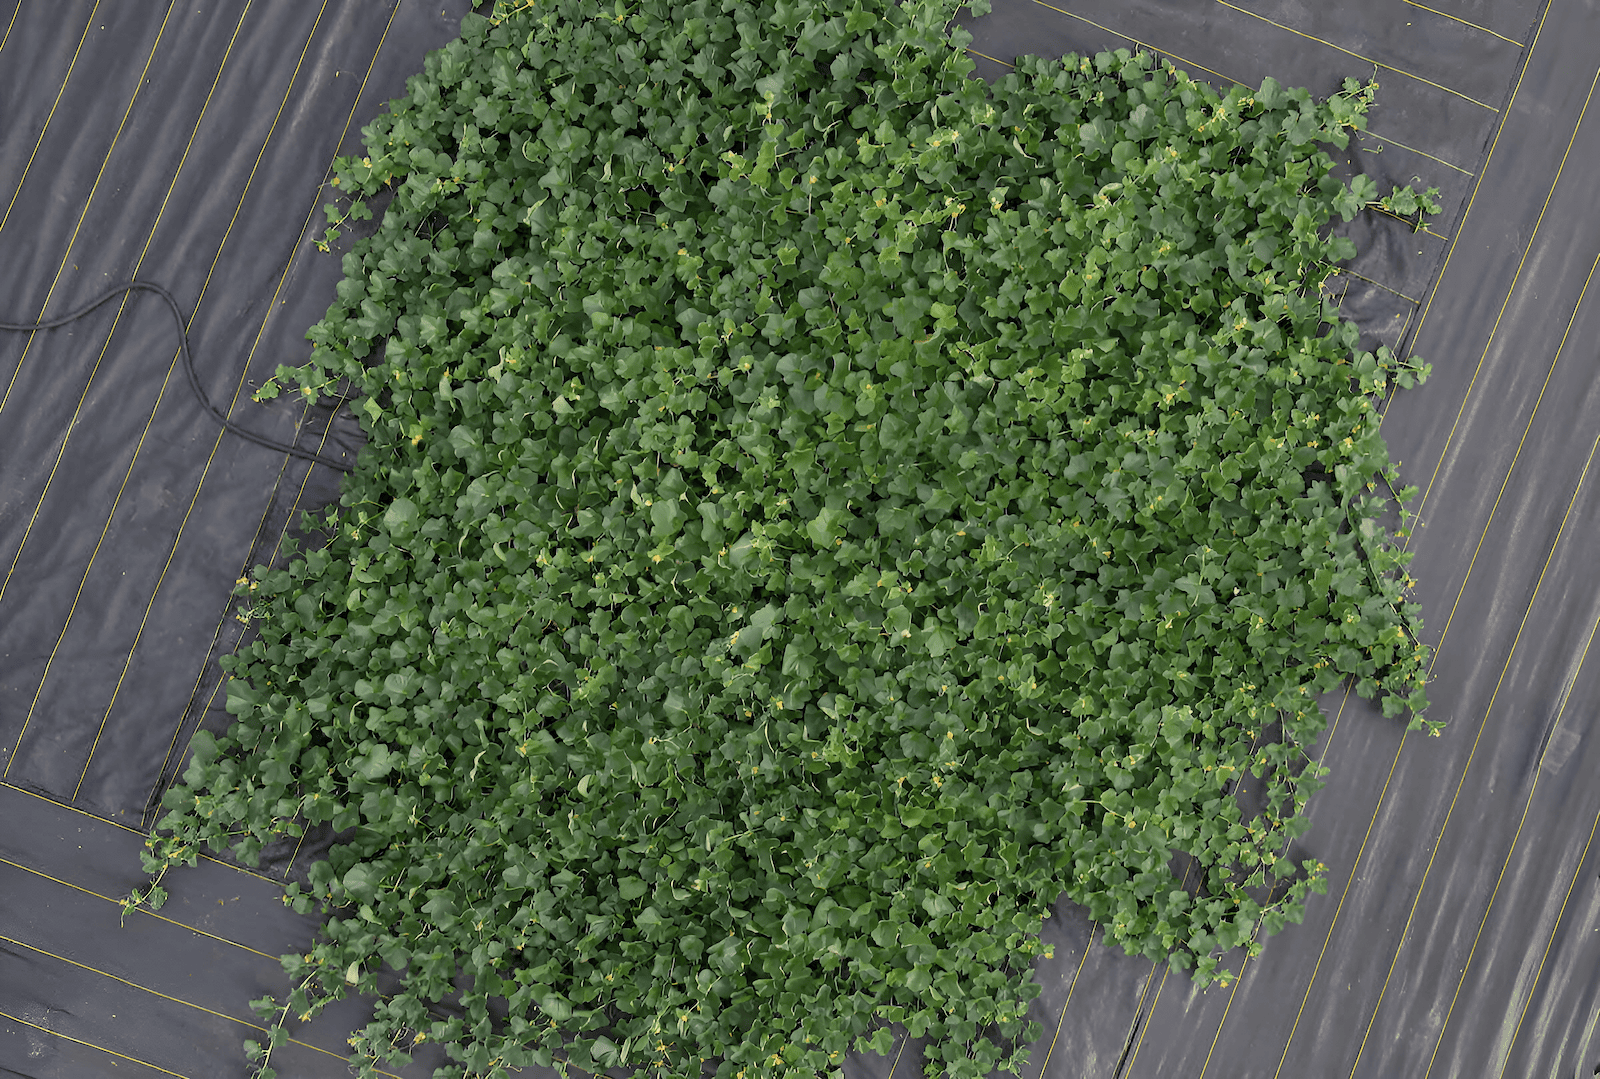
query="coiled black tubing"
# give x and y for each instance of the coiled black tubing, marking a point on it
(188, 367)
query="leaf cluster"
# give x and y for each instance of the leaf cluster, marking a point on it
(819, 509)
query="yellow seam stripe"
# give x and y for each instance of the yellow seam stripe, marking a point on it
(896, 1062)
(176, 774)
(104, 162)
(60, 270)
(1484, 722)
(1333, 730)
(1520, 443)
(1509, 292)
(1148, 978)
(1567, 696)
(172, 366)
(1407, 221)
(1472, 199)
(217, 633)
(1413, 149)
(300, 494)
(1409, 316)
(1439, 645)
(237, 390)
(1138, 1045)
(175, 1000)
(1071, 986)
(1336, 910)
(135, 831)
(10, 24)
(141, 910)
(1358, 56)
(1464, 22)
(1577, 870)
(1136, 41)
(301, 838)
(91, 1045)
(77, 596)
(1225, 1009)
(51, 116)
(121, 307)
(1527, 58)
(986, 56)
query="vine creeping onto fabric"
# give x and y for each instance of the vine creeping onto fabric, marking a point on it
(819, 510)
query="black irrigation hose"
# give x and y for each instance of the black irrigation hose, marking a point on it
(188, 367)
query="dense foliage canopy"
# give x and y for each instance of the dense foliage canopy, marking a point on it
(819, 509)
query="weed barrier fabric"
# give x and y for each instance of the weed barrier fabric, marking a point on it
(1457, 936)
(150, 143)
(187, 145)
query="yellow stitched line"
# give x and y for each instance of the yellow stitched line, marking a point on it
(1413, 149)
(1358, 56)
(1136, 41)
(1437, 647)
(1509, 292)
(59, 271)
(1464, 22)
(1336, 910)
(176, 775)
(10, 24)
(1384, 793)
(1074, 984)
(81, 39)
(141, 910)
(300, 494)
(1520, 442)
(105, 161)
(172, 366)
(1409, 316)
(1567, 696)
(1333, 730)
(217, 633)
(175, 1000)
(1148, 979)
(1481, 725)
(1407, 221)
(301, 838)
(120, 309)
(91, 1045)
(896, 1062)
(1138, 1045)
(1527, 58)
(1146, 992)
(1437, 282)
(986, 56)
(1539, 973)
(237, 390)
(134, 831)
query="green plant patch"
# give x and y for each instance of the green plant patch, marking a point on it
(819, 510)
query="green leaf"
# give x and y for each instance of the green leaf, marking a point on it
(377, 763)
(831, 517)
(937, 639)
(400, 519)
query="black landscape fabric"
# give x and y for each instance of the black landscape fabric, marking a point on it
(189, 145)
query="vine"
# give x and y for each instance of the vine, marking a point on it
(818, 510)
